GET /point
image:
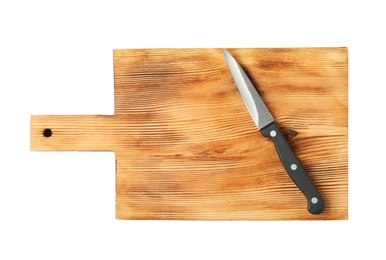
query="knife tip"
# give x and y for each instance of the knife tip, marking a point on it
(226, 54)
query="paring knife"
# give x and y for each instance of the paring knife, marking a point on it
(268, 127)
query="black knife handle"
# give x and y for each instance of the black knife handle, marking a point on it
(294, 168)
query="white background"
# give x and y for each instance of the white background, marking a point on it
(56, 58)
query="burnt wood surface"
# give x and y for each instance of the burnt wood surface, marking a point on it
(187, 148)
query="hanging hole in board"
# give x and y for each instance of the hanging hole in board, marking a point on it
(47, 132)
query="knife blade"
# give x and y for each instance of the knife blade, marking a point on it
(268, 127)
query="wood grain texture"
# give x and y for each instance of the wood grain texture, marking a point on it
(187, 148)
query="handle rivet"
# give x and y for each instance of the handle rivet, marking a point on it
(294, 166)
(314, 200)
(273, 133)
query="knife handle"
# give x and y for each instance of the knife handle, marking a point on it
(294, 168)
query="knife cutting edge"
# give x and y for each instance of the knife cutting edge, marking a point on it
(268, 127)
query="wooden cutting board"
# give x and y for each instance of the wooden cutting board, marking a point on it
(187, 148)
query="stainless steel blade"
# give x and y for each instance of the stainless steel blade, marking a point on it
(252, 99)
